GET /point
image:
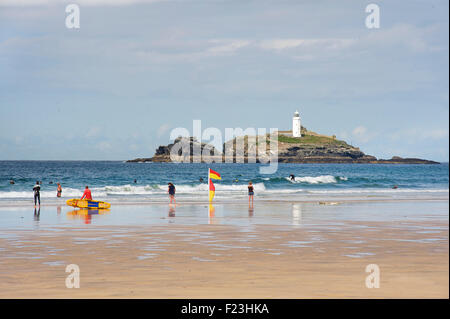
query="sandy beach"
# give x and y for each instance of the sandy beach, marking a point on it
(276, 250)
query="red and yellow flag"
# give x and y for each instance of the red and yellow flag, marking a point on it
(212, 190)
(214, 175)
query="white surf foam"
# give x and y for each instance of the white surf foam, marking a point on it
(369, 191)
(224, 190)
(322, 179)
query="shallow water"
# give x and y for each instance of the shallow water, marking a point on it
(114, 181)
(330, 217)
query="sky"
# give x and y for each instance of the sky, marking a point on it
(114, 88)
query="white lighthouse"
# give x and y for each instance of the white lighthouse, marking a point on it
(296, 125)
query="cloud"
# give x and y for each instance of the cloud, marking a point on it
(163, 129)
(359, 134)
(92, 132)
(21, 3)
(436, 134)
(419, 134)
(227, 46)
(284, 44)
(104, 146)
(416, 39)
(359, 131)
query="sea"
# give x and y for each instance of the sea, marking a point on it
(118, 181)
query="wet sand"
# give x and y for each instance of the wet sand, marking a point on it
(319, 253)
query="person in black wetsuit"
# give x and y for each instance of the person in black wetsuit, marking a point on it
(37, 194)
(292, 177)
(171, 192)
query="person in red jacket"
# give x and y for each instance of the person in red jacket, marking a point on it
(87, 194)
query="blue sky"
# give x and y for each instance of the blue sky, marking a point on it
(114, 88)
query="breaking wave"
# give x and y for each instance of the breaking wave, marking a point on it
(323, 179)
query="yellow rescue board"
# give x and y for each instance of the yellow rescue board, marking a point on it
(87, 203)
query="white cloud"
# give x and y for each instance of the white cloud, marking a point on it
(283, 44)
(416, 39)
(227, 46)
(104, 146)
(21, 3)
(92, 132)
(163, 129)
(359, 131)
(436, 134)
(359, 134)
(415, 134)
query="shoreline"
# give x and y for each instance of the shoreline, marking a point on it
(180, 201)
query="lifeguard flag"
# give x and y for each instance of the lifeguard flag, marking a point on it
(212, 190)
(214, 175)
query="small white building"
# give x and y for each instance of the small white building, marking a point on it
(296, 125)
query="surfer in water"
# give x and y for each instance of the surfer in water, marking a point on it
(58, 190)
(87, 194)
(171, 191)
(37, 194)
(292, 177)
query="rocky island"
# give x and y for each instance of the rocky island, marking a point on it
(311, 147)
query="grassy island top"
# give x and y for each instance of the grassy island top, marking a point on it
(315, 139)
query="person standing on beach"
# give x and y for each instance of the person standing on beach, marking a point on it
(87, 194)
(171, 192)
(250, 193)
(37, 194)
(58, 190)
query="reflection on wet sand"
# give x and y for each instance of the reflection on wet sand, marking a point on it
(211, 214)
(86, 214)
(58, 210)
(37, 214)
(250, 211)
(171, 210)
(296, 214)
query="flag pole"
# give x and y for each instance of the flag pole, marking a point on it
(209, 184)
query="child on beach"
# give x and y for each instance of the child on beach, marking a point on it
(250, 193)
(58, 190)
(171, 192)
(37, 194)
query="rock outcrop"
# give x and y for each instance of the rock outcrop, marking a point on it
(190, 146)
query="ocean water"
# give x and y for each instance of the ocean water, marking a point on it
(114, 180)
